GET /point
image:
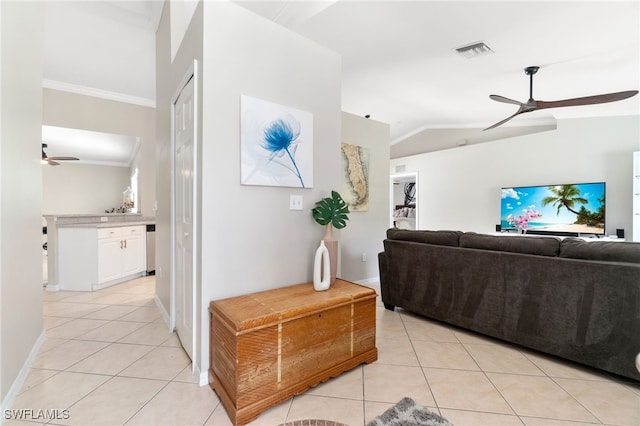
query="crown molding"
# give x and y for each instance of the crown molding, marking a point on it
(98, 93)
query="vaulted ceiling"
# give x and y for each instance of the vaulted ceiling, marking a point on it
(400, 64)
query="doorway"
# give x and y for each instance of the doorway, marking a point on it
(184, 218)
(404, 206)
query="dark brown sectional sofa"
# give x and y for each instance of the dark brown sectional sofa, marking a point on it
(576, 299)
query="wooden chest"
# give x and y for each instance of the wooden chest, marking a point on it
(266, 347)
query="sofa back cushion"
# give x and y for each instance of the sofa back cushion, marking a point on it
(600, 250)
(541, 246)
(440, 238)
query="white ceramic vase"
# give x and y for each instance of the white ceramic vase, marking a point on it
(321, 269)
(332, 246)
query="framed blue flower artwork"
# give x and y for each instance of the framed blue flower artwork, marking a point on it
(276, 144)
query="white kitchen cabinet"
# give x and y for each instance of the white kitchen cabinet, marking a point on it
(92, 258)
(124, 252)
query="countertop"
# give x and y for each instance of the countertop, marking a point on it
(107, 224)
(105, 220)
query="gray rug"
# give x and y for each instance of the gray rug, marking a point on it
(408, 413)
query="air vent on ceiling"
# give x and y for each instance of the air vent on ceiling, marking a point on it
(475, 49)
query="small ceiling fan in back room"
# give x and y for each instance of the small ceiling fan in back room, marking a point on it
(533, 105)
(53, 161)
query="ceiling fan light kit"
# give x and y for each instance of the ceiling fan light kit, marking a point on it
(53, 161)
(533, 105)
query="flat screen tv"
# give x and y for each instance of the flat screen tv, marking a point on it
(568, 210)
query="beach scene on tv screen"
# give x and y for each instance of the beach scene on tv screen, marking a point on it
(574, 208)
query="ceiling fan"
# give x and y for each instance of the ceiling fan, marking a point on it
(53, 161)
(533, 105)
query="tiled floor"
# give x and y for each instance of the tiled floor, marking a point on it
(109, 359)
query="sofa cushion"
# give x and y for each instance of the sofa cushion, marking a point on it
(611, 251)
(440, 238)
(542, 246)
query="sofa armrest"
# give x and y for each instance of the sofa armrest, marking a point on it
(384, 280)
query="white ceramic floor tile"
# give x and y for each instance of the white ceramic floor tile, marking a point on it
(112, 359)
(444, 355)
(502, 359)
(111, 312)
(348, 385)
(113, 403)
(346, 411)
(556, 367)
(396, 352)
(111, 331)
(143, 314)
(60, 391)
(37, 376)
(186, 375)
(621, 407)
(149, 334)
(429, 330)
(145, 376)
(180, 404)
(51, 322)
(391, 383)
(534, 396)
(162, 363)
(66, 354)
(465, 390)
(477, 418)
(69, 310)
(74, 328)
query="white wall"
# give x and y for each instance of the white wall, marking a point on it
(365, 231)
(169, 74)
(250, 240)
(460, 188)
(65, 109)
(21, 324)
(82, 188)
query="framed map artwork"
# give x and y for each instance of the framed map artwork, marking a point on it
(355, 180)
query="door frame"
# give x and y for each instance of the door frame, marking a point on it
(404, 176)
(191, 73)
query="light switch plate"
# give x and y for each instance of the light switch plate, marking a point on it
(295, 202)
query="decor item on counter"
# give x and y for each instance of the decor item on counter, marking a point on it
(276, 144)
(408, 413)
(355, 177)
(127, 199)
(120, 209)
(331, 212)
(321, 269)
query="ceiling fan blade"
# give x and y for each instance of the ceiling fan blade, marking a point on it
(499, 123)
(52, 163)
(505, 100)
(587, 100)
(63, 158)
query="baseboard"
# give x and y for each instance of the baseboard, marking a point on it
(371, 282)
(165, 315)
(10, 398)
(203, 377)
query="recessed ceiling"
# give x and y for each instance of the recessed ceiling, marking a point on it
(399, 62)
(89, 147)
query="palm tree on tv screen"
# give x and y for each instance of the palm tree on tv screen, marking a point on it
(569, 196)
